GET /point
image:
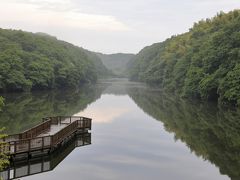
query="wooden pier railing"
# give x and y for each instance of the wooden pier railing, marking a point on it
(83, 124)
(42, 163)
(37, 130)
(34, 139)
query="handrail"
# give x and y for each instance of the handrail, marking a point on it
(46, 119)
(53, 159)
(67, 130)
(29, 142)
(36, 126)
(24, 135)
(28, 139)
(70, 128)
(36, 130)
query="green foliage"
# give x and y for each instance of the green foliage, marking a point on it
(38, 61)
(230, 86)
(201, 63)
(4, 159)
(100, 67)
(1, 102)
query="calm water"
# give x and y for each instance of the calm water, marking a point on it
(138, 133)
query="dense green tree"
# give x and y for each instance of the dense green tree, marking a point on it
(4, 159)
(31, 61)
(202, 63)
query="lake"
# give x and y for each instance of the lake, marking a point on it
(138, 132)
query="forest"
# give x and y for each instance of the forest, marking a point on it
(202, 63)
(37, 61)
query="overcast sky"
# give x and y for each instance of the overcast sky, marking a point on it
(109, 26)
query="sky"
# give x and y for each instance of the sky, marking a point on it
(109, 26)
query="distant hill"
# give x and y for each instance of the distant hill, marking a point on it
(101, 69)
(30, 61)
(117, 63)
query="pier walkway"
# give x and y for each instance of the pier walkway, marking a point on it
(47, 136)
(22, 167)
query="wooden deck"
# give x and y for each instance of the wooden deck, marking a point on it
(22, 167)
(48, 135)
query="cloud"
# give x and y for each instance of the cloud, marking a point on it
(53, 14)
(103, 111)
(47, 4)
(103, 115)
(110, 26)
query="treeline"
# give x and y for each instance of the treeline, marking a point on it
(202, 63)
(31, 61)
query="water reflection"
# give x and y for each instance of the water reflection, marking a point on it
(24, 110)
(208, 130)
(128, 141)
(113, 106)
(106, 111)
(22, 167)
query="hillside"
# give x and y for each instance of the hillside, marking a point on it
(202, 63)
(117, 63)
(101, 69)
(31, 61)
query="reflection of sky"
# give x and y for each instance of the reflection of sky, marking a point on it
(107, 110)
(131, 146)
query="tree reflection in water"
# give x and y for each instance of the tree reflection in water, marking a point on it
(24, 110)
(210, 131)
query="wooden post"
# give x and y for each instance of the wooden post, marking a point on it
(42, 142)
(15, 147)
(9, 173)
(29, 144)
(51, 141)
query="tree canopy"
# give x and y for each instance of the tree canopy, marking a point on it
(202, 63)
(31, 61)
